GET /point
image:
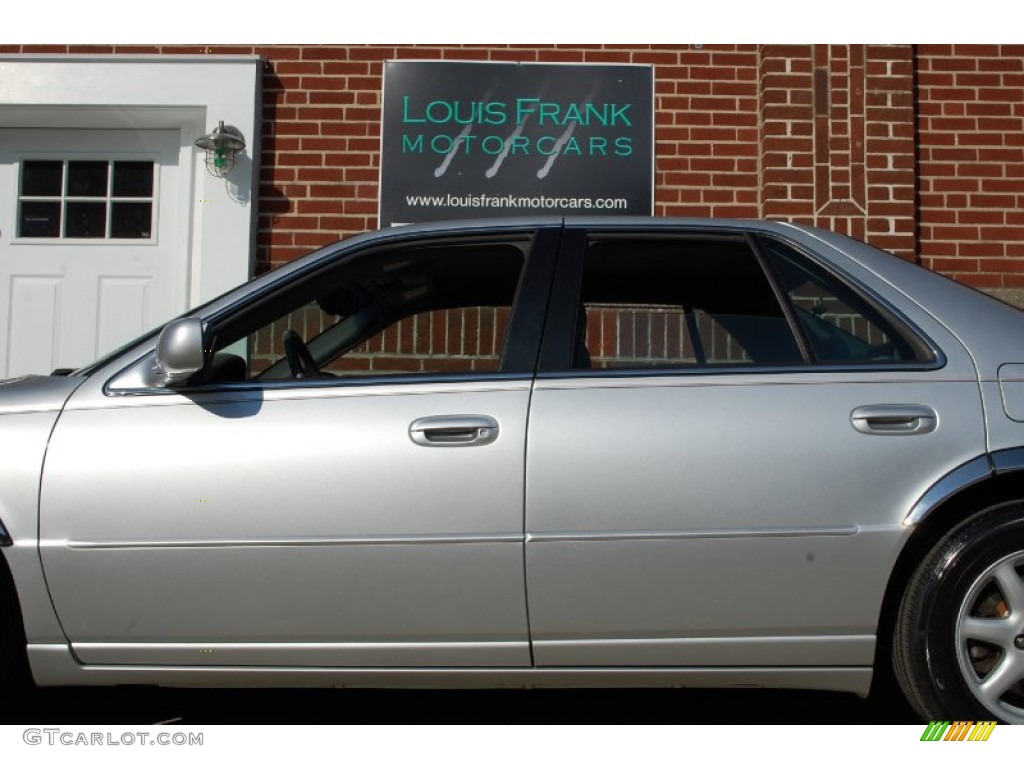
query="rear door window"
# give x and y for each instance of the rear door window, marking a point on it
(679, 302)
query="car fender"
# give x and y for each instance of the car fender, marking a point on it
(998, 464)
(949, 485)
(29, 410)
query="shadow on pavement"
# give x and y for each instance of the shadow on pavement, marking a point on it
(128, 706)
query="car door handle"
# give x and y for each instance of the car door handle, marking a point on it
(894, 419)
(452, 431)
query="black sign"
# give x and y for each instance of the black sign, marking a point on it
(470, 140)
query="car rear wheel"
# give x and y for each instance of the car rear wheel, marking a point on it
(958, 649)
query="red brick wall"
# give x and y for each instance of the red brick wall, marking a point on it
(837, 140)
(814, 133)
(706, 131)
(971, 172)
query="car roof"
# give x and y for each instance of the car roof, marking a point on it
(497, 225)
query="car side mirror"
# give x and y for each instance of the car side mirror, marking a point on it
(179, 353)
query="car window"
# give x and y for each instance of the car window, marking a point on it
(666, 302)
(840, 325)
(416, 310)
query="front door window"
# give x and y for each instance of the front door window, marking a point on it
(438, 309)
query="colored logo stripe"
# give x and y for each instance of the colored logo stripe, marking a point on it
(982, 730)
(960, 730)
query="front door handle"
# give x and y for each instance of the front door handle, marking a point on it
(894, 419)
(452, 431)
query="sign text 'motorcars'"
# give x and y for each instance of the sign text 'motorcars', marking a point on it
(498, 113)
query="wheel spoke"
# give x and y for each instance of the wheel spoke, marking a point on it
(994, 631)
(1012, 587)
(1002, 678)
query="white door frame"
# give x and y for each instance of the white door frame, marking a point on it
(187, 93)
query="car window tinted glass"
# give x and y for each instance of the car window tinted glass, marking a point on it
(665, 302)
(418, 310)
(840, 325)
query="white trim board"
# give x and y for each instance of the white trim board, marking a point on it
(187, 93)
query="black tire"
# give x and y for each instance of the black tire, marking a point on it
(958, 647)
(13, 665)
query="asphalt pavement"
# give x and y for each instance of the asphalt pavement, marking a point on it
(139, 705)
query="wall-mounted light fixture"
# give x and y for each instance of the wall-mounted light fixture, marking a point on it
(221, 145)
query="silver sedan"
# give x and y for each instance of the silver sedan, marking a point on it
(580, 452)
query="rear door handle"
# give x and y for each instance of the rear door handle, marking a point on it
(894, 419)
(452, 431)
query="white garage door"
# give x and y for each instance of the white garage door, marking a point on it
(92, 251)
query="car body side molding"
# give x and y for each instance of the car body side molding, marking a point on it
(1008, 460)
(54, 664)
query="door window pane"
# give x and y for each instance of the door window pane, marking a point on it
(467, 339)
(131, 220)
(41, 178)
(87, 178)
(39, 219)
(86, 220)
(132, 179)
(656, 303)
(427, 310)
